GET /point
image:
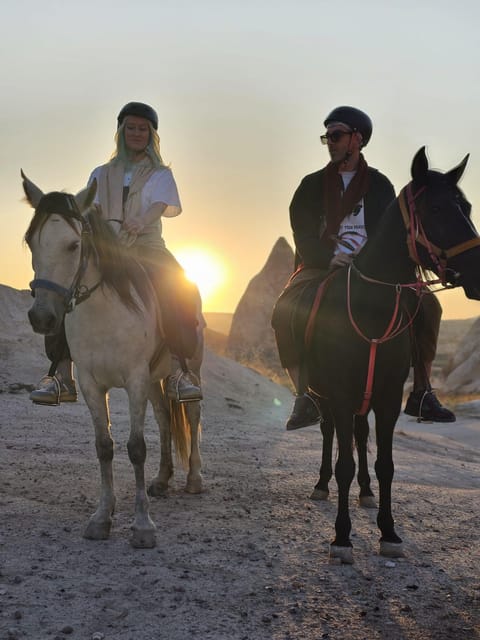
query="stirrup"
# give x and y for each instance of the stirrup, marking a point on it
(183, 386)
(42, 389)
(52, 391)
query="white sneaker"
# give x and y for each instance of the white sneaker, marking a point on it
(181, 388)
(53, 391)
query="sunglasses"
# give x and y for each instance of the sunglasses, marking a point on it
(334, 136)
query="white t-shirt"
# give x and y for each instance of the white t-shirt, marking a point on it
(352, 234)
(160, 187)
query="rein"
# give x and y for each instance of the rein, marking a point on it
(77, 292)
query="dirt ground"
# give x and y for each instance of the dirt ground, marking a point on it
(248, 558)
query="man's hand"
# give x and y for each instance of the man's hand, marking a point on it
(341, 260)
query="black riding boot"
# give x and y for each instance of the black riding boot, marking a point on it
(306, 412)
(424, 405)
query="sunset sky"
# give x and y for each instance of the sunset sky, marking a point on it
(241, 89)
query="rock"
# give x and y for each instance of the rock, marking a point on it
(463, 370)
(470, 409)
(251, 340)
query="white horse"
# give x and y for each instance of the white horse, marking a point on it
(84, 277)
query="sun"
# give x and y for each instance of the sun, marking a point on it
(203, 268)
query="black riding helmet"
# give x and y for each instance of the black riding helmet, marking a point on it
(139, 109)
(354, 118)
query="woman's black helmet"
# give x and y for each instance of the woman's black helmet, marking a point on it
(139, 109)
(354, 118)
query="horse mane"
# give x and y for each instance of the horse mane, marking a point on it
(119, 270)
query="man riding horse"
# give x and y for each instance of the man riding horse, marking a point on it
(333, 212)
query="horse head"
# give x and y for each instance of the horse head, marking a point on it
(68, 235)
(55, 240)
(442, 237)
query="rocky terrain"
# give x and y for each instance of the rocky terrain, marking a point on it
(248, 558)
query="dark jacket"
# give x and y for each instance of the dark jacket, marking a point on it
(307, 215)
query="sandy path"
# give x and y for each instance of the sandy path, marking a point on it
(247, 559)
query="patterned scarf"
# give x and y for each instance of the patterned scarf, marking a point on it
(339, 204)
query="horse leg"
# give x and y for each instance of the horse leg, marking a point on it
(341, 547)
(360, 430)
(320, 491)
(143, 527)
(390, 542)
(194, 477)
(100, 523)
(159, 485)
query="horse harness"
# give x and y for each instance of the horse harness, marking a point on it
(416, 234)
(396, 326)
(65, 205)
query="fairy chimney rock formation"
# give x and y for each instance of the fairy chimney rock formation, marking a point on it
(251, 340)
(463, 372)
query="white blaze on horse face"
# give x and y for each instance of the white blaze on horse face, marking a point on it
(56, 250)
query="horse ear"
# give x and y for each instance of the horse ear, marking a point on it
(32, 193)
(85, 197)
(455, 174)
(420, 166)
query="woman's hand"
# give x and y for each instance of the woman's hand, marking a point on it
(133, 225)
(126, 238)
(130, 230)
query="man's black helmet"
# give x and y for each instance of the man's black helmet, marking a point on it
(139, 109)
(354, 118)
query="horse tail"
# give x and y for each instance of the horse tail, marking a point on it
(181, 432)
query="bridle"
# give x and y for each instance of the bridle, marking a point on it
(416, 235)
(77, 292)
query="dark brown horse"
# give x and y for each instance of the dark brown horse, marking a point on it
(359, 355)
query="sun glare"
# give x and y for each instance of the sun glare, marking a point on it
(204, 268)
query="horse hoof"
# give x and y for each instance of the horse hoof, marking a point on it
(368, 502)
(97, 530)
(319, 494)
(144, 539)
(391, 549)
(194, 486)
(340, 555)
(157, 490)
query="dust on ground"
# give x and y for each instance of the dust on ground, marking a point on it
(248, 558)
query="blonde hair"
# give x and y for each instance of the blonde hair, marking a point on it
(152, 149)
